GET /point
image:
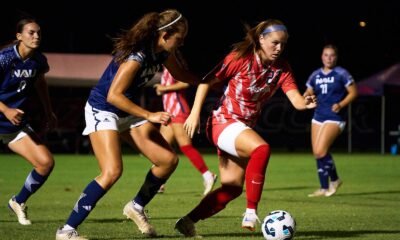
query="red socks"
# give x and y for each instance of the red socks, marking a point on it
(214, 202)
(219, 198)
(195, 158)
(255, 175)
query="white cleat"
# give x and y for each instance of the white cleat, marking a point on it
(68, 235)
(319, 193)
(209, 184)
(140, 218)
(186, 227)
(161, 189)
(20, 210)
(250, 221)
(333, 187)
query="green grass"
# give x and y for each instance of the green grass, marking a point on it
(366, 207)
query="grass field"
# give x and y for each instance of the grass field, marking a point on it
(366, 207)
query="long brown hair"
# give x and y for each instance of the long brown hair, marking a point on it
(146, 30)
(250, 42)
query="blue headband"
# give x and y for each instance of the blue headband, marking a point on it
(274, 28)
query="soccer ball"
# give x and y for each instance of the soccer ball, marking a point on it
(278, 225)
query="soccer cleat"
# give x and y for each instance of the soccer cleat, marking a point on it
(249, 221)
(68, 235)
(333, 187)
(140, 218)
(161, 189)
(209, 184)
(20, 210)
(319, 193)
(186, 227)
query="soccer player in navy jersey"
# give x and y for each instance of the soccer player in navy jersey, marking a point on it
(252, 72)
(22, 70)
(335, 89)
(113, 112)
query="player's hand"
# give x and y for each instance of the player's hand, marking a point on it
(191, 125)
(336, 107)
(14, 115)
(159, 89)
(160, 117)
(310, 101)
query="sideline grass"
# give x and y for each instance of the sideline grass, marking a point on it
(366, 206)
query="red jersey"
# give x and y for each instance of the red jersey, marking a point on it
(249, 85)
(174, 102)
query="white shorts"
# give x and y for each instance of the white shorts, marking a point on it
(226, 140)
(13, 137)
(103, 120)
(341, 124)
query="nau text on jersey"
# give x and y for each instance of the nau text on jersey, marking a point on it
(27, 73)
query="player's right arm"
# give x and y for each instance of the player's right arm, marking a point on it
(193, 121)
(121, 82)
(179, 73)
(308, 92)
(14, 115)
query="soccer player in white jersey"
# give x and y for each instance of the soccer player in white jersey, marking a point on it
(113, 112)
(252, 73)
(22, 70)
(335, 89)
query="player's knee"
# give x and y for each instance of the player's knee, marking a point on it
(319, 153)
(262, 150)
(171, 161)
(45, 165)
(112, 175)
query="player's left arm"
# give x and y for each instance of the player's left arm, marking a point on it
(301, 102)
(351, 95)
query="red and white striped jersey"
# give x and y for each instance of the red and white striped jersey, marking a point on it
(174, 102)
(249, 85)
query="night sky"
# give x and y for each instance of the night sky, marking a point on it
(72, 28)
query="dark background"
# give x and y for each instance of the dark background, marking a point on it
(88, 27)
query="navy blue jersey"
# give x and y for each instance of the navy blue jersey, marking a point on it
(330, 88)
(150, 64)
(17, 79)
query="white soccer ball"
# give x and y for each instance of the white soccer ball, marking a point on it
(278, 225)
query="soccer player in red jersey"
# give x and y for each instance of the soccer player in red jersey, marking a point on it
(175, 103)
(251, 73)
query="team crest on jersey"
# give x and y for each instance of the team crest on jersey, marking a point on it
(273, 76)
(26, 73)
